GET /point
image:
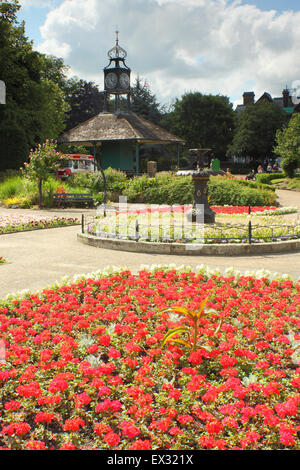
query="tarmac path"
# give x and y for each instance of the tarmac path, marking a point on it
(36, 259)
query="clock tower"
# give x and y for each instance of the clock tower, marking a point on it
(117, 74)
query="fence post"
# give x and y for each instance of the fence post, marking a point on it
(137, 230)
(249, 210)
(82, 223)
(250, 232)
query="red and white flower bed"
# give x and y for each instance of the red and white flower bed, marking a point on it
(84, 365)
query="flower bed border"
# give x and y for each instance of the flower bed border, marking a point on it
(189, 249)
(39, 228)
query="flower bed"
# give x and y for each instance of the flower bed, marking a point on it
(19, 223)
(84, 365)
(218, 209)
(2, 260)
(161, 225)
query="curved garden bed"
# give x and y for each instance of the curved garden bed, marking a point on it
(85, 366)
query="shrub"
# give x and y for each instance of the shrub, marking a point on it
(256, 185)
(115, 180)
(229, 192)
(290, 164)
(136, 188)
(174, 190)
(11, 187)
(266, 178)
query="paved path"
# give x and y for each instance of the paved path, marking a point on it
(38, 258)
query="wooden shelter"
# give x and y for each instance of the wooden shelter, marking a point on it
(120, 135)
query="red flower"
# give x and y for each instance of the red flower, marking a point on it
(140, 444)
(73, 424)
(36, 445)
(112, 439)
(16, 428)
(44, 417)
(129, 430)
(12, 405)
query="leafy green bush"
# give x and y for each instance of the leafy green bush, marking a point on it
(12, 186)
(228, 192)
(256, 185)
(116, 180)
(136, 188)
(172, 190)
(266, 178)
(290, 164)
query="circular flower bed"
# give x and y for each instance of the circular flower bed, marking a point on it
(19, 223)
(162, 225)
(85, 365)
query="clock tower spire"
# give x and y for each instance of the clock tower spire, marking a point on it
(117, 74)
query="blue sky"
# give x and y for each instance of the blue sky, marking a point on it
(240, 42)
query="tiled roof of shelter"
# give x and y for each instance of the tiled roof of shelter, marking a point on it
(118, 127)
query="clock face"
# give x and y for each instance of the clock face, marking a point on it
(111, 80)
(124, 80)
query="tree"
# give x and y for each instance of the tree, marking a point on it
(84, 100)
(203, 121)
(288, 146)
(143, 102)
(43, 162)
(34, 108)
(255, 130)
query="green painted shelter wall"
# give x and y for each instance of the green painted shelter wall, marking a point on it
(118, 155)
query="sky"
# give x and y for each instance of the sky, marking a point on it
(219, 47)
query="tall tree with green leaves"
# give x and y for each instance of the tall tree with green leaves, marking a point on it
(35, 108)
(255, 130)
(84, 100)
(143, 102)
(203, 121)
(287, 146)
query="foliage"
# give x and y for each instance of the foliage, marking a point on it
(192, 332)
(294, 184)
(35, 107)
(84, 100)
(11, 186)
(93, 181)
(204, 121)
(288, 146)
(84, 368)
(224, 191)
(169, 189)
(255, 130)
(43, 162)
(143, 102)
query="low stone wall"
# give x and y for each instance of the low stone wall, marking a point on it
(192, 249)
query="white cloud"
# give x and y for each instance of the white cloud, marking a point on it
(214, 46)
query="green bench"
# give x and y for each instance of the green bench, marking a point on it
(65, 199)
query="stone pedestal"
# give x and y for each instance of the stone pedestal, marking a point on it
(151, 169)
(201, 211)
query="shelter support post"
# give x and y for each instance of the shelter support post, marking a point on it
(101, 170)
(137, 158)
(178, 156)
